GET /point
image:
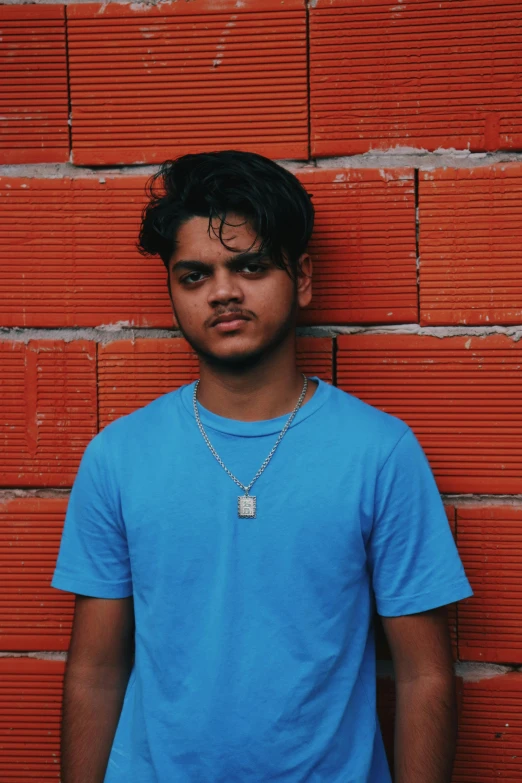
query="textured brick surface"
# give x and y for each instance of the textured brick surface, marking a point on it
(470, 245)
(152, 83)
(490, 544)
(418, 74)
(30, 709)
(70, 257)
(34, 103)
(47, 410)
(490, 731)
(461, 396)
(363, 246)
(33, 616)
(315, 357)
(132, 374)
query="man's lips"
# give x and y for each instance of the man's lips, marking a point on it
(232, 319)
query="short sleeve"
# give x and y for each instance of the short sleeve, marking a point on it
(93, 559)
(412, 556)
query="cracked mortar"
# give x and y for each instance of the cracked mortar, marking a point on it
(108, 333)
(401, 157)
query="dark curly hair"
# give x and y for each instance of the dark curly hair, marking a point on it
(215, 184)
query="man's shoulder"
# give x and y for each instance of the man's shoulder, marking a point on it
(353, 415)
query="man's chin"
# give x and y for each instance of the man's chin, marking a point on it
(234, 357)
(233, 360)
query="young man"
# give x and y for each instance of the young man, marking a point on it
(242, 530)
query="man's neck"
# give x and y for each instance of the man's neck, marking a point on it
(259, 394)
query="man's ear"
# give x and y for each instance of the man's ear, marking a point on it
(304, 280)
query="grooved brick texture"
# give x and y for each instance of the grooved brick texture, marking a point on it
(470, 245)
(150, 83)
(462, 396)
(48, 410)
(416, 73)
(490, 731)
(490, 545)
(30, 706)
(363, 246)
(34, 101)
(70, 257)
(132, 374)
(33, 616)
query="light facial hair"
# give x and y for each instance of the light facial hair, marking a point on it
(242, 363)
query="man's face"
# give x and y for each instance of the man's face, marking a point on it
(233, 305)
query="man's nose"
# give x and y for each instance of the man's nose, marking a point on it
(225, 288)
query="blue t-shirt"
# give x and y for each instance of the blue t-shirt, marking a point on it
(255, 657)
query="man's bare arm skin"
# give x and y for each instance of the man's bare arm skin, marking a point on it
(426, 716)
(99, 663)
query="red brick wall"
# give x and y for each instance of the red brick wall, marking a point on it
(403, 121)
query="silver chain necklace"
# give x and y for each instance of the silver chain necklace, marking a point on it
(247, 504)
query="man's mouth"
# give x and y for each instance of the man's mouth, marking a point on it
(229, 321)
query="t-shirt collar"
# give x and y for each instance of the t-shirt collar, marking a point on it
(255, 428)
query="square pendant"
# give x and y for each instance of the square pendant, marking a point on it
(246, 506)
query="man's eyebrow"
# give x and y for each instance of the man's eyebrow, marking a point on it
(186, 264)
(237, 260)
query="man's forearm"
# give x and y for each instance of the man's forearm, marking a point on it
(91, 710)
(425, 730)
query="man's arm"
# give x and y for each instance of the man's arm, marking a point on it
(426, 715)
(99, 663)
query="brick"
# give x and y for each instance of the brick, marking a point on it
(315, 357)
(363, 246)
(87, 264)
(48, 410)
(419, 74)
(30, 705)
(470, 239)
(33, 616)
(35, 287)
(34, 103)
(151, 83)
(490, 544)
(460, 395)
(490, 731)
(132, 374)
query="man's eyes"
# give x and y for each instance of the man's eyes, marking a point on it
(254, 267)
(190, 278)
(251, 268)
